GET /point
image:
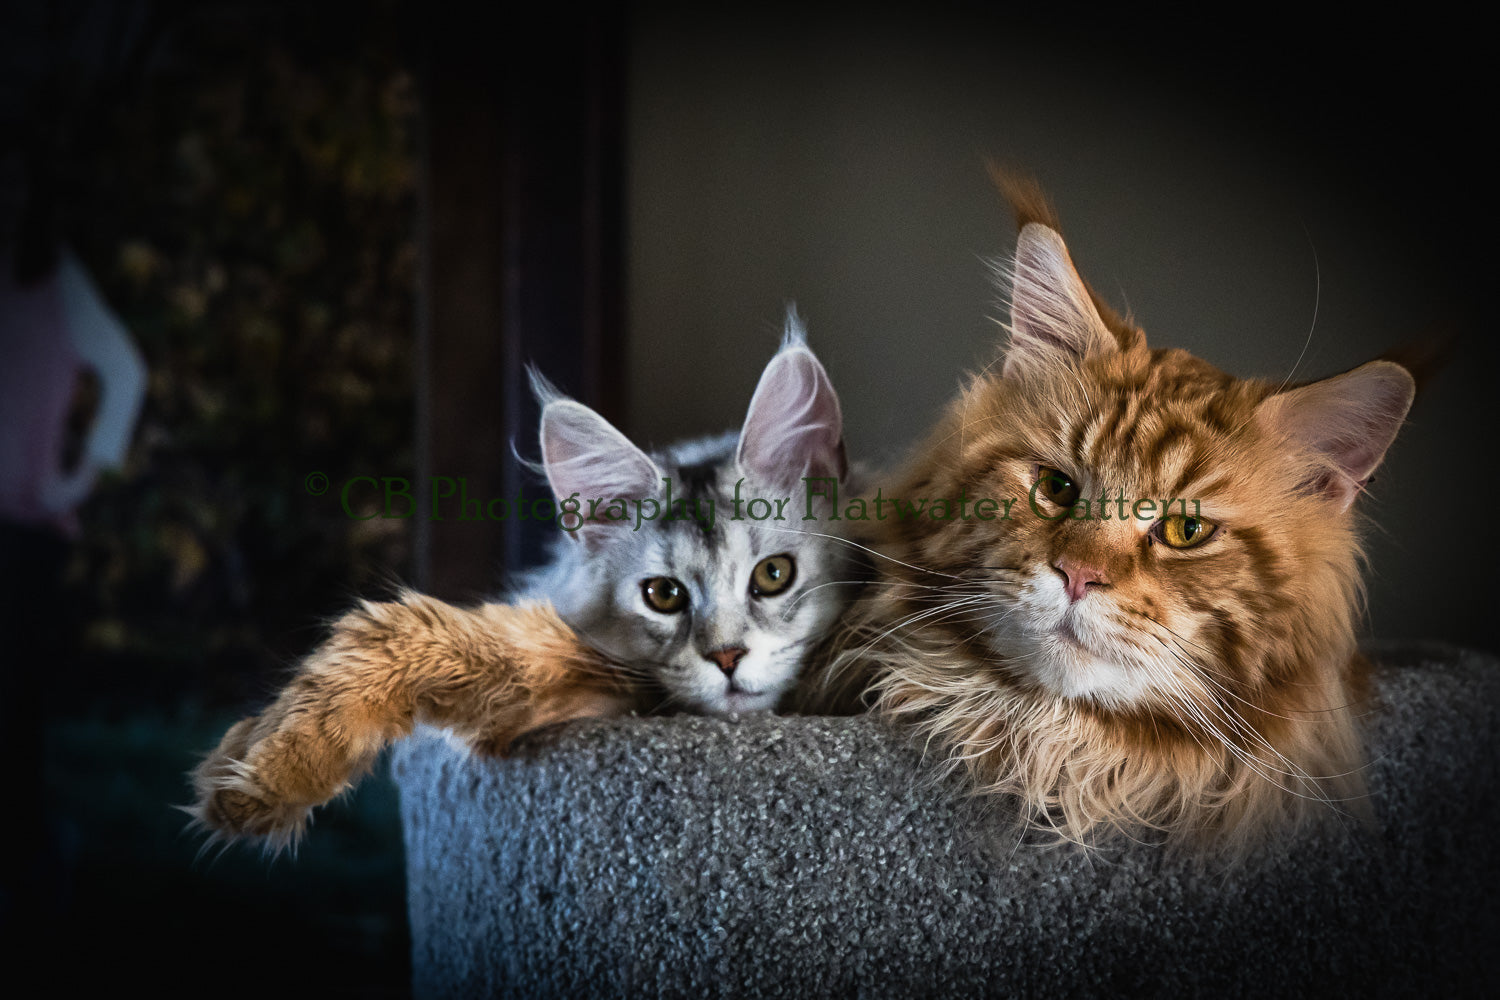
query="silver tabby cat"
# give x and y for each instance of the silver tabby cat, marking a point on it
(709, 606)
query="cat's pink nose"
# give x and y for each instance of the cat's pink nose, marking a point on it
(727, 658)
(1078, 577)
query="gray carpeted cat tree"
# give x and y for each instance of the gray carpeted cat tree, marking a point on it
(808, 857)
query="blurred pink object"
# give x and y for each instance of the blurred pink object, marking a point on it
(50, 332)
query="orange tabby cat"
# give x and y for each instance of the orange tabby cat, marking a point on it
(1186, 668)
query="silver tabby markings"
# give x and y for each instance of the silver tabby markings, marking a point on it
(718, 618)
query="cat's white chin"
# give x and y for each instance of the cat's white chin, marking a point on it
(744, 702)
(1067, 666)
(1069, 649)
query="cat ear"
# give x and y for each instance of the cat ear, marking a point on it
(795, 426)
(586, 459)
(1053, 321)
(1348, 421)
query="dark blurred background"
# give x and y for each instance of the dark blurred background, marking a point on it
(335, 232)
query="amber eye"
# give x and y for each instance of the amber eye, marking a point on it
(772, 575)
(664, 594)
(1183, 532)
(1056, 486)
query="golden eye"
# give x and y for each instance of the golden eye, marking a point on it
(772, 575)
(1056, 486)
(664, 594)
(1183, 532)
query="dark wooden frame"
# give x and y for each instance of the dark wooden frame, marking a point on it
(522, 262)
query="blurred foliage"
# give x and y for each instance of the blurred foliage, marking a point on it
(248, 209)
(245, 200)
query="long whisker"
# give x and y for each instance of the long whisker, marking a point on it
(873, 583)
(862, 548)
(928, 613)
(1317, 301)
(1208, 673)
(1198, 707)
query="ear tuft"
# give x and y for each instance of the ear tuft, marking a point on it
(1347, 422)
(1025, 196)
(794, 332)
(542, 388)
(795, 426)
(1053, 321)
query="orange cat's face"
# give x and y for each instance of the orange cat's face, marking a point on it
(1160, 545)
(1158, 622)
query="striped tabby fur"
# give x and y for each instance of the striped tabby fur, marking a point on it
(1107, 681)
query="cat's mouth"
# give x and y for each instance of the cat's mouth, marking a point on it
(1065, 632)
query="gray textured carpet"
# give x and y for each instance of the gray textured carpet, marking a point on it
(803, 857)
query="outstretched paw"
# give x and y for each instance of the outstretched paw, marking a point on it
(231, 804)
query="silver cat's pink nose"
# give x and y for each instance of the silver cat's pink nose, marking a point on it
(727, 658)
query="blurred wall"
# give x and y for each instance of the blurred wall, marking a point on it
(1233, 190)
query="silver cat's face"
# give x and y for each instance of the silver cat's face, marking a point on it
(720, 612)
(721, 619)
